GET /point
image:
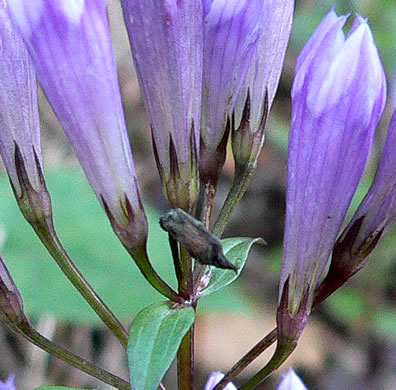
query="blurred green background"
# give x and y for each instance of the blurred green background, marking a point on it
(350, 342)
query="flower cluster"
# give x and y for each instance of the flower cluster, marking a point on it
(208, 71)
(197, 63)
(338, 98)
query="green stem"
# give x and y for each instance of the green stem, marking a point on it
(185, 358)
(49, 238)
(282, 352)
(185, 355)
(259, 348)
(40, 341)
(248, 358)
(239, 186)
(145, 267)
(207, 201)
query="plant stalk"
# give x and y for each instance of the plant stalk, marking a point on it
(185, 355)
(248, 358)
(49, 238)
(239, 186)
(40, 341)
(282, 352)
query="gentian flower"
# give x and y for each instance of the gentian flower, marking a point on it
(338, 98)
(372, 220)
(231, 31)
(11, 305)
(69, 43)
(19, 122)
(166, 40)
(214, 379)
(291, 381)
(258, 91)
(8, 384)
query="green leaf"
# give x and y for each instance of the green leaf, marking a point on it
(236, 250)
(154, 339)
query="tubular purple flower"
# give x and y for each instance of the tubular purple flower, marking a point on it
(231, 32)
(338, 98)
(370, 223)
(258, 91)
(19, 118)
(266, 66)
(69, 42)
(166, 39)
(11, 306)
(291, 381)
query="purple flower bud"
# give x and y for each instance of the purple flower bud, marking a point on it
(166, 39)
(8, 384)
(232, 29)
(338, 98)
(70, 45)
(19, 119)
(214, 379)
(291, 381)
(11, 305)
(258, 91)
(372, 220)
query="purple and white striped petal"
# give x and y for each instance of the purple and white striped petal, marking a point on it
(266, 67)
(338, 98)
(231, 32)
(258, 91)
(19, 117)
(70, 45)
(166, 39)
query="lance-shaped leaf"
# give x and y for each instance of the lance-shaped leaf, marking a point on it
(19, 118)
(154, 339)
(166, 39)
(232, 29)
(258, 91)
(338, 98)
(236, 250)
(69, 42)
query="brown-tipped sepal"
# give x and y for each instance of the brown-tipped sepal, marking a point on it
(180, 181)
(291, 325)
(132, 232)
(211, 162)
(349, 256)
(247, 142)
(11, 305)
(193, 236)
(35, 204)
